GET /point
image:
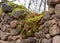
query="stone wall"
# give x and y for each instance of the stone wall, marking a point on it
(49, 29)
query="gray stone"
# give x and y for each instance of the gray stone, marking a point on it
(46, 41)
(57, 11)
(3, 35)
(6, 7)
(19, 14)
(3, 41)
(52, 3)
(46, 16)
(56, 39)
(54, 30)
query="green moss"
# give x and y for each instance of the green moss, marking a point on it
(1, 11)
(34, 20)
(21, 7)
(35, 28)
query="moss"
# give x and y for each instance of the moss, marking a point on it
(21, 7)
(1, 11)
(34, 20)
(35, 28)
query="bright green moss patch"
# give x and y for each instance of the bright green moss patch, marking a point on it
(34, 20)
(1, 11)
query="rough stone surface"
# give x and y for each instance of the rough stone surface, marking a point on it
(54, 30)
(56, 39)
(6, 8)
(13, 23)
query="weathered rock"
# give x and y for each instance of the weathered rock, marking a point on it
(51, 11)
(7, 18)
(47, 36)
(19, 14)
(38, 40)
(12, 42)
(57, 11)
(6, 7)
(31, 40)
(54, 30)
(46, 16)
(59, 23)
(3, 28)
(3, 41)
(14, 38)
(40, 34)
(13, 23)
(18, 41)
(53, 22)
(15, 31)
(4, 35)
(53, 2)
(47, 24)
(56, 39)
(46, 41)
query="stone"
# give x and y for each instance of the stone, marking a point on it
(52, 3)
(10, 38)
(40, 34)
(14, 32)
(54, 30)
(4, 35)
(13, 23)
(59, 23)
(3, 28)
(6, 18)
(46, 41)
(56, 39)
(46, 16)
(12, 42)
(47, 24)
(6, 8)
(53, 22)
(19, 14)
(51, 11)
(21, 41)
(14, 38)
(57, 11)
(18, 41)
(38, 40)
(47, 36)
(31, 40)
(3, 41)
